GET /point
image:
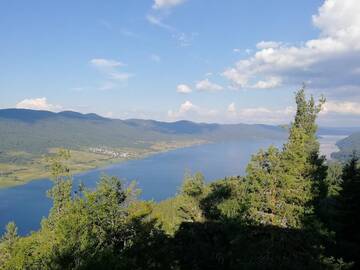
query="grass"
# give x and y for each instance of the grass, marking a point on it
(21, 167)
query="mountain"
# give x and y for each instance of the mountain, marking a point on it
(36, 131)
(26, 136)
(337, 131)
(347, 147)
(31, 116)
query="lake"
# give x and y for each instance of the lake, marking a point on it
(159, 176)
(328, 144)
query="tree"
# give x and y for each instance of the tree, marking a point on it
(8, 242)
(328, 206)
(60, 193)
(283, 185)
(267, 186)
(193, 186)
(349, 209)
(192, 191)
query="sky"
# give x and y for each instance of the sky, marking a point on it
(227, 61)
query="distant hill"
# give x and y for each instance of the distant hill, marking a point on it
(348, 146)
(341, 131)
(36, 131)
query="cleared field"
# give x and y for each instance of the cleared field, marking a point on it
(25, 167)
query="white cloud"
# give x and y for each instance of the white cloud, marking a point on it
(271, 82)
(326, 62)
(37, 104)
(183, 88)
(109, 114)
(165, 4)
(268, 44)
(188, 110)
(248, 51)
(111, 69)
(187, 106)
(346, 107)
(261, 114)
(105, 63)
(120, 76)
(160, 12)
(158, 22)
(232, 108)
(333, 114)
(183, 39)
(206, 85)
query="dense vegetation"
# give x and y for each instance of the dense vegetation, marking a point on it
(291, 210)
(27, 135)
(37, 131)
(347, 146)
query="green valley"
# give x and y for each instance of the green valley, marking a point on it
(27, 136)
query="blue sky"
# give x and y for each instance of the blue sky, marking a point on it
(202, 60)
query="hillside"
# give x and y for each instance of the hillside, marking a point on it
(27, 135)
(347, 147)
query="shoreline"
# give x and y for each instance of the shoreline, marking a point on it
(97, 164)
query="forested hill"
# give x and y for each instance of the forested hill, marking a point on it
(291, 210)
(348, 146)
(36, 131)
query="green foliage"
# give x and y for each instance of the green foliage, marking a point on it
(349, 209)
(27, 135)
(192, 191)
(281, 185)
(273, 194)
(78, 131)
(193, 186)
(8, 242)
(333, 179)
(290, 211)
(327, 211)
(226, 200)
(60, 193)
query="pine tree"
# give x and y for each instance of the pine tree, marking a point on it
(282, 186)
(193, 186)
(192, 191)
(10, 237)
(8, 242)
(60, 193)
(349, 200)
(264, 182)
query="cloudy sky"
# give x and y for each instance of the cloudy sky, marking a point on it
(204, 60)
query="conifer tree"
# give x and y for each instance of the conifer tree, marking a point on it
(60, 193)
(192, 191)
(9, 238)
(283, 185)
(349, 200)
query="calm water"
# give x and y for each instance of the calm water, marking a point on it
(159, 176)
(328, 144)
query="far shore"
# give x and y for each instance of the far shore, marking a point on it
(24, 173)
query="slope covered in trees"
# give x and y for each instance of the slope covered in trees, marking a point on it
(347, 146)
(291, 210)
(27, 135)
(37, 131)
